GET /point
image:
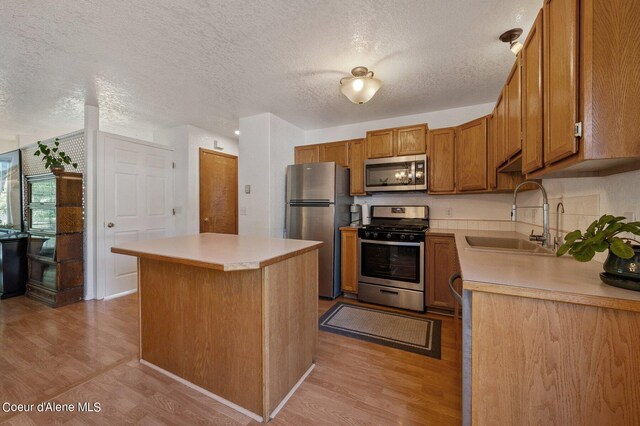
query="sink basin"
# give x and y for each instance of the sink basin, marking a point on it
(511, 245)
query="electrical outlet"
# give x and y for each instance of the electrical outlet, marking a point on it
(448, 212)
(243, 211)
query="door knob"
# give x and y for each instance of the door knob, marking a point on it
(206, 219)
(110, 225)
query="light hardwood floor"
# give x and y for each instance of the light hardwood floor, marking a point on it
(88, 352)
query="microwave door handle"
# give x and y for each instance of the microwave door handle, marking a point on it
(413, 173)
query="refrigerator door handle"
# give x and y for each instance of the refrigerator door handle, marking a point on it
(308, 202)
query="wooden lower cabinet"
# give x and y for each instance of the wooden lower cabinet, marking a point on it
(441, 263)
(540, 361)
(349, 259)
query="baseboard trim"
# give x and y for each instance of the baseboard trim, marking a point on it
(208, 393)
(124, 293)
(291, 392)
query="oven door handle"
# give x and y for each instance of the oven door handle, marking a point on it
(391, 243)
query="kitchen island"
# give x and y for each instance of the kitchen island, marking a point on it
(234, 317)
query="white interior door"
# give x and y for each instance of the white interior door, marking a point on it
(138, 205)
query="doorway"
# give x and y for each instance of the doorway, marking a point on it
(135, 202)
(218, 192)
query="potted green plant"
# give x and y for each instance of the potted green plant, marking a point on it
(53, 158)
(622, 267)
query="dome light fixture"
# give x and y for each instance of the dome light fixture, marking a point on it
(510, 37)
(361, 87)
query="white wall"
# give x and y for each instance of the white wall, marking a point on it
(435, 120)
(284, 137)
(6, 146)
(266, 148)
(187, 141)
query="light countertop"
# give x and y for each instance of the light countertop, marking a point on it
(536, 276)
(219, 251)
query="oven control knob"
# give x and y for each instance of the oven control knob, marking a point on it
(403, 237)
(388, 236)
(411, 237)
(367, 234)
(375, 235)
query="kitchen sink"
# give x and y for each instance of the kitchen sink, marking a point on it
(511, 245)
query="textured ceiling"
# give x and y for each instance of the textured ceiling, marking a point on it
(153, 64)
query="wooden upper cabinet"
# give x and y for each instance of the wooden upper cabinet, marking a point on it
(337, 152)
(356, 160)
(380, 143)
(410, 140)
(471, 156)
(307, 154)
(492, 171)
(513, 143)
(442, 263)
(500, 130)
(442, 160)
(560, 61)
(532, 130)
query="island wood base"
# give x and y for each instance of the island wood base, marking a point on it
(246, 336)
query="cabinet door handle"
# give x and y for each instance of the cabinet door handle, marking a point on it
(110, 225)
(452, 289)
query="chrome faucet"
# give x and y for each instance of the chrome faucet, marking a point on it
(545, 238)
(557, 240)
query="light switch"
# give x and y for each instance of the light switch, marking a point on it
(247, 189)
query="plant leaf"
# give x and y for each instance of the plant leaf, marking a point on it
(621, 249)
(563, 249)
(592, 228)
(573, 235)
(600, 246)
(75, 165)
(585, 254)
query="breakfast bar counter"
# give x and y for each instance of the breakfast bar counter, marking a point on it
(234, 317)
(543, 339)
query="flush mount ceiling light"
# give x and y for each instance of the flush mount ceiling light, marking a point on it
(361, 87)
(510, 37)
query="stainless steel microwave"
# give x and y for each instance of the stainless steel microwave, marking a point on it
(396, 174)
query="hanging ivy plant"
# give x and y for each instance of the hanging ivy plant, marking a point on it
(52, 156)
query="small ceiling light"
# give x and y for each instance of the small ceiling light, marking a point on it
(237, 132)
(510, 37)
(361, 87)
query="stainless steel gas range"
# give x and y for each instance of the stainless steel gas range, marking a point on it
(391, 251)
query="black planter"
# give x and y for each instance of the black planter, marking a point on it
(623, 273)
(628, 269)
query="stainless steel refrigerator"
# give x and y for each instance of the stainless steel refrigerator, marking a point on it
(317, 204)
